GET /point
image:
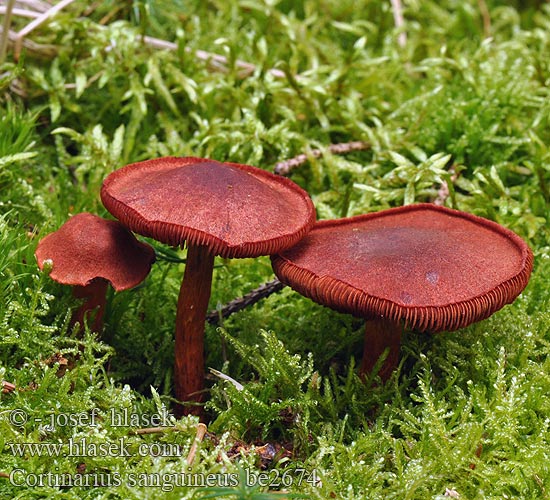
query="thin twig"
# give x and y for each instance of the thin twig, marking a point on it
(236, 305)
(153, 430)
(265, 290)
(7, 387)
(203, 55)
(201, 431)
(218, 61)
(6, 30)
(37, 22)
(286, 166)
(399, 22)
(38, 48)
(97, 76)
(20, 12)
(37, 5)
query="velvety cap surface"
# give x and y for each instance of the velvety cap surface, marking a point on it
(433, 267)
(88, 247)
(235, 210)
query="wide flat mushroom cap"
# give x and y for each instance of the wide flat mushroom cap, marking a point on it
(88, 247)
(433, 267)
(236, 210)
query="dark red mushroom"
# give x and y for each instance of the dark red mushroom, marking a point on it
(422, 266)
(89, 252)
(214, 208)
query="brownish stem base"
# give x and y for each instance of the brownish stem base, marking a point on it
(381, 334)
(192, 306)
(95, 296)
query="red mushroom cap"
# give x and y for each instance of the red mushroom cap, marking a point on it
(432, 267)
(87, 248)
(235, 210)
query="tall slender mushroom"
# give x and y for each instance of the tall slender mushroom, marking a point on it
(422, 266)
(214, 208)
(89, 252)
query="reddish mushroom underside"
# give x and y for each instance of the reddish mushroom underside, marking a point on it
(89, 252)
(235, 210)
(428, 267)
(214, 208)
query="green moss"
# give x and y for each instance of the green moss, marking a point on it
(466, 413)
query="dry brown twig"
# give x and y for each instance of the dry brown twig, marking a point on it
(35, 23)
(38, 48)
(152, 430)
(41, 14)
(201, 432)
(7, 387)
(36, 5)
(238, 304)
(32, 14)
(286, 166)
(218, 61)
(282, 168)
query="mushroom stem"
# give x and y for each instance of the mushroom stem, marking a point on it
(95, 298)
(190, 319)
(381, 334)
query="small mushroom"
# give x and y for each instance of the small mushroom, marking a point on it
(89, 252)
(422, 266)
(214, 208)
